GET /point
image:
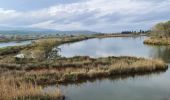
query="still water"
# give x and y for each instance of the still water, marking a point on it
(7, 44)
(122, 46)
(147, 87)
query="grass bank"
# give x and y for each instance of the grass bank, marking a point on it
(157, 41)
(11, 50)
(41, 48)
(11, 89)
(81, 68)
(23, 75)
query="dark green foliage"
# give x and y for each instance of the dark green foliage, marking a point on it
(11, 50)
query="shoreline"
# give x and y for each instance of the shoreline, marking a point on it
(55, 42)
(83, 68)
(62, 70)
(62, 63)
(157, 41)
(111, 77)
(98, 35)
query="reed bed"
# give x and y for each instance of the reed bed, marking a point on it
(12, 89)
(41, 48)
(22, 80)
(78, 62)
(82, 68)
(157, 41)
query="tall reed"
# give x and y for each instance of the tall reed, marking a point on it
(12, 89)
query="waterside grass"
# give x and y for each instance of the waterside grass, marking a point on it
(12, 89)
(81, 68)
(157, 41)
(11, 50)
(105, 69)
(40, 48)
(27, 75)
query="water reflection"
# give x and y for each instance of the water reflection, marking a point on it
(147, 87)
(121, 46)
(162, 52)
(6, 44)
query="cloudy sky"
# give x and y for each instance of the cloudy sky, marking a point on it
(94, 15)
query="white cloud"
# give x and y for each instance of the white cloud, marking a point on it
(51, 25)
(97, 15)
(6, 15)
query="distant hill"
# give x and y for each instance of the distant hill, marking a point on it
(37, 31)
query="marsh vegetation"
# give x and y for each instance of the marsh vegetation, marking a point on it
(160, 34)
(12, 89)
(33, 67)
(81, 68)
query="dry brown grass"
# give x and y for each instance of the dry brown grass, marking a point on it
(41, 48)
(73, 70)
(19, 84)
(12, 89)
(157, 41)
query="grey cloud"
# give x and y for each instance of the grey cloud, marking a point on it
(93, 17)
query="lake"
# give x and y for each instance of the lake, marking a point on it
(144, 87)
(120, 46)
(7, 44)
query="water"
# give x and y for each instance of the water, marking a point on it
(7, 44)
(122, 46)
(147, 87)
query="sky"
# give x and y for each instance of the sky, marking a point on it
(93, 15)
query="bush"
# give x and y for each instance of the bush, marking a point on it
(161, 30)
